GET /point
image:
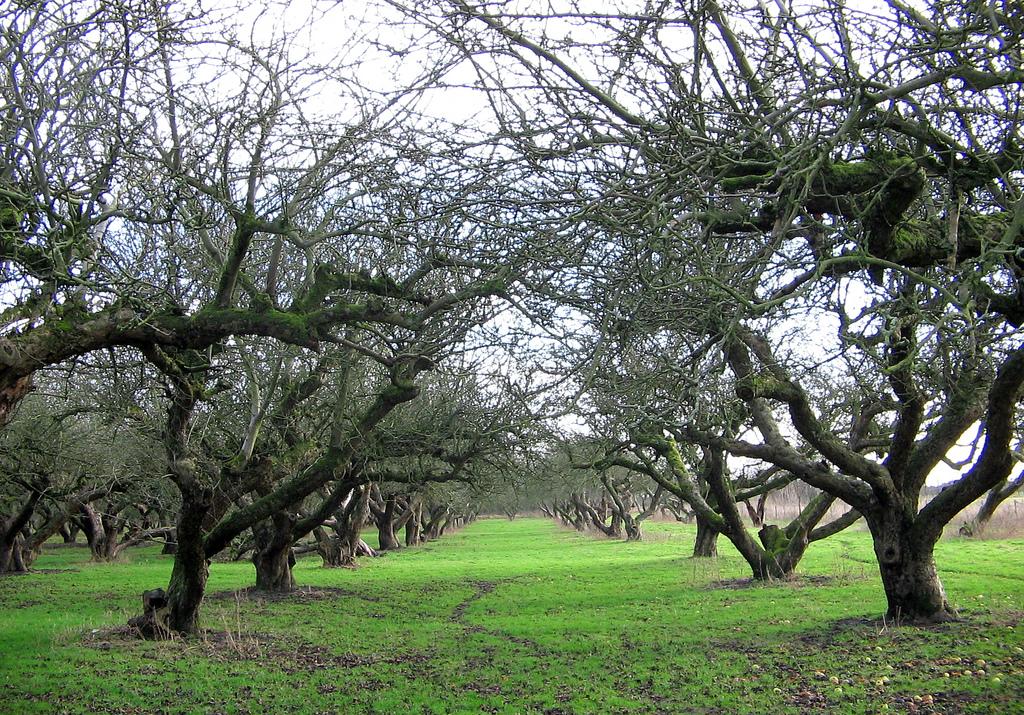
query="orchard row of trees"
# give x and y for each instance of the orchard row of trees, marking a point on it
(719, 246)
(239, 263)
(798, 250)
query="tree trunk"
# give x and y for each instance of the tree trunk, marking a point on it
(334, 553)
(413, 526)
(756, 513)
(341, 548)
(706, 544)
(596, 518)
(764, 562)
(191, 569)
(68, 532)
(21, 559)
(634, 528)
(107, 546)
(578, 518)
(435, 527)
(12, 542)
(362, 548)
(272, 556)
(274, 569)
(976, 526)
(906, 562)
(92, 525)
(386, 527)
(6, 555)
(11, 556)
(332, 550)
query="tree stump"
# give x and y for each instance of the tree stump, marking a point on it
(152, 624)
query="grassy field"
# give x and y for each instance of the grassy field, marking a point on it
(522, 617)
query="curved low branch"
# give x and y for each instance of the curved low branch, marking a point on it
(847, 520)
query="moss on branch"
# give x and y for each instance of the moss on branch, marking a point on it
(328, 280)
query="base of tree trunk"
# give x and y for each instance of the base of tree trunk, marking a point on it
(770, 571)
(706, 544)
(186, 589)
(916, 596)
(274, 571)
(388, 541)
(11, 557)
(334, 554)
(912, 587)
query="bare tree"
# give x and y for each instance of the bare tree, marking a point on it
(185, 183)
(820, 212)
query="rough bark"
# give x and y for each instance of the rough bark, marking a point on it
(764, 563)
(634, 529)
(11, 540)
(191, 568)
(623, 506)
(386, 525)
(341, 548)
(272, 555)
(274, 570)
(906, 562)
(59, 515)
(413, 526)
(101, 532)
(596, 517)
(332, 550)
(706, 543)
(438, 520)
(12, 555)
(197, 540)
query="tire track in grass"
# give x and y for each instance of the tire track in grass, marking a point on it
(480, 590)
(561, 694)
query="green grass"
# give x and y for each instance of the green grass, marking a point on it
(522, 617)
